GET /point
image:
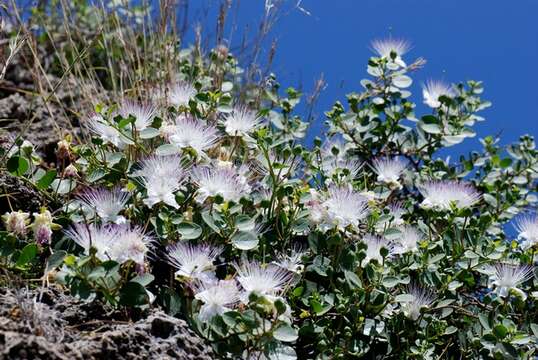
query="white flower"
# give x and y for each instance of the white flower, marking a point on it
(130, 244)
(397, 210)
(345, 207)
(181, 93)
(92, 235)
(164, 166)
(112, 242)
(241, 121)
(408, 240)
(433, 90)
(335, 160)
(389, 170)
(217, 298)
(341, 166)
(268, 281)
(421, 298)
(282, 168)
(16, 221)
(527, 226)
(193, 262)
(507, 277)
(98, 126)
(384, 48)
(291, 262)
(162, 176)
(334, 148)
(106, 203)
(317, 211)
(227, 182)
(143, 113)
(375, 244)
(441, 194)
(394, 218)
(190, 132)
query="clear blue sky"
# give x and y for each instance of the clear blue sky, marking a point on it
(494, 41)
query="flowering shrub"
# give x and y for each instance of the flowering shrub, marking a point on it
(203, 198)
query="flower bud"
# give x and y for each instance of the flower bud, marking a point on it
(42, 227)
(42, 234)
(222, 52)
(70, 171)
(63, 150)
(16, 222)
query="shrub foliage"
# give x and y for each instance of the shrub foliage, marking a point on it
(199, 194)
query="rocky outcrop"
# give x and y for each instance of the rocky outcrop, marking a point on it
(17, 195)
(40, 107)
(49, 324)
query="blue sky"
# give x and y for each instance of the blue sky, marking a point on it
(493, 41)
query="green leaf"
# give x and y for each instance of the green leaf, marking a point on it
(167, 149)
(125, 121)
(210, 221)
(144, 279)
(430, 128)
(453, 285)
(484, 321)
(170, 301)
(534, 328)
(390, 281)
(55, 260)
(404, 298)
(226, 86)
(189, 230)
(280, 306)
(46, 180)
(490, 199)
(521, 339)
(500, 331)
(80, 288)
(352, 279)
(506, 162)
(28, 253)
(444, 303)
(245, 240)
(281, 352)
(392, 233)
(63, 186)
(225, 108)
(17, 165)
(133, 294)
(285, 333)
(402, 81)
(149, 133)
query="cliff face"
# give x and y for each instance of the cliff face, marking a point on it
(48, 324)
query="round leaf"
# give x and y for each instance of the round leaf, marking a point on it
(245, 240)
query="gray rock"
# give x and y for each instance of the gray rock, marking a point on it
(53, 325)
(23, 107)
(42, 125)
(17, 194)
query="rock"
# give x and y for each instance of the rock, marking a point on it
(17, 194)
(46, 122)
(28, 106)
(162, 327)
(43, 325)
